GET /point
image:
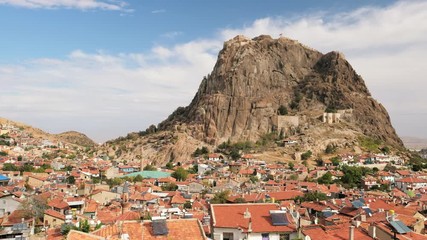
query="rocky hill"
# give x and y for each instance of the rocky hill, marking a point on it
(71, 137)
(264, 85)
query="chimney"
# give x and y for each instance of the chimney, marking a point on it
(250, 225)
(374, 231)
(351, 233)
(247, 214)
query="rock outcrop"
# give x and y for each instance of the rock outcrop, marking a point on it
(254, 78)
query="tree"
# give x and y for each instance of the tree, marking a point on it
(234, 154)
(71, 180)
(319, 162)
(239, 200)
(180, 174)
(385, 150)
(291, 166)
(19, 158)
(335, 161)
(220, 197)
(312, 196)
(353, 175)
(194, 169)
(169, 165)
(187, 205)
(66, 228)
(283, 110)
(9, 167)
(294, 177)
(325, 179)
(84, 226)
(138, 178)
(34, 207)
(169, 187)
(330, 149)
(253, 179)
(150, 167)
(306, 155)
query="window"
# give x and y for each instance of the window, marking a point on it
(284, 236)
(265, 236)
(227, 236)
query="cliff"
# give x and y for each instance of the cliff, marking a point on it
(265, 85)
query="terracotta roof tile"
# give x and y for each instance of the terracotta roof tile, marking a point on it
(232, 216)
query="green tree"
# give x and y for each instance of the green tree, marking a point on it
(66, 228)
(9, 167)
(3, 154)
(187, 205)
(169, 187)
(294, 177)
(335, 161)
(71, 180)
(234, 154)
(283, 110)
(239, 200)
(325, 179)
(180, 174)
(169, 165)
(253, 179)
(84, 226)
(319, 162)
(306, 155)
(291, 166)
(312, 196)
(150, 167)
(138, 178)
(330, 149)
(220, 197)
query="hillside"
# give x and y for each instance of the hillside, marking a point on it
(71, 137)
(261, 86)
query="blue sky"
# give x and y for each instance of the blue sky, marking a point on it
(108, 67)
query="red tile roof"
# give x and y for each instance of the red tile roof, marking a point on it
(182, 229)
(54, 214)
(232, 216)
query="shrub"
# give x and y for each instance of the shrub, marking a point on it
(306, 155)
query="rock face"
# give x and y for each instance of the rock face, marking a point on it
(252, 78)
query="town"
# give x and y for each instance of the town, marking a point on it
(55, 190)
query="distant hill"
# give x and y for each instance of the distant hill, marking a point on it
(261, 86)
(414, 142)
(71, 137)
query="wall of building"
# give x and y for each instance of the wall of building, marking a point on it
(285, 122)
(52, 222)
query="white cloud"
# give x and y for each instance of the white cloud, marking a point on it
(76, 4)
(387, 46)
(106, 95)
(157, 11)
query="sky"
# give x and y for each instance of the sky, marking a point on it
(110, 67)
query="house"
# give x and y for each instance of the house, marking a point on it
(215, 157)
(251, 221)
(103, 197)
(202, 168)
(157, 229)
(8, 204)
(127, 169)
(4, 180)
(410, 183)
(36, 180)
(195, 187)
(53, 219)
(369, 182)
